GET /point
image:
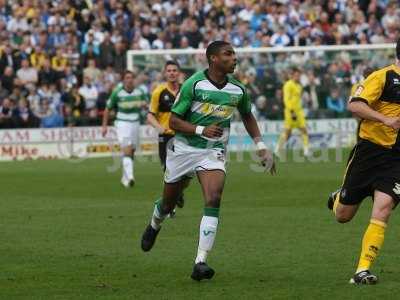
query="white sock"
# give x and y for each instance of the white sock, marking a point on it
(158, 216)
(127, 165)
(208, 230)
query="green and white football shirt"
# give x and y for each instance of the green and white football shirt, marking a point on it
(127, 104)
(202, 102)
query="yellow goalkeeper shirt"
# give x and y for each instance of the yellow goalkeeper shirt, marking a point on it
(292, 96)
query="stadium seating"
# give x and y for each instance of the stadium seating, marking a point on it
(59, 60)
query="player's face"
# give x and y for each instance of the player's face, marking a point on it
(129, 81)
(171, 73)
(296, 76)
(226, 59)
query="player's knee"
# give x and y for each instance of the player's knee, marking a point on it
(382, 213)
(214, 198)
(343, 216)
(383, 206)
(167, 206)
(343, 219)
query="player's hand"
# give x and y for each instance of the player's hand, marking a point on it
(161, 130)
(293, 115)
(267, 160)
(393, 122)
(104, 130)
(213, 131)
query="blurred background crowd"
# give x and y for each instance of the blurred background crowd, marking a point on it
(60, 59)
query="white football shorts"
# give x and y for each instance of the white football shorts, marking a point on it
(127, 133)
(184, 161)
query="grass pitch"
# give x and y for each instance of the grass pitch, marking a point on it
(69, 231)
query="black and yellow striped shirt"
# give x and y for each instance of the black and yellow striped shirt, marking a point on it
(381, 91)
(161, 103)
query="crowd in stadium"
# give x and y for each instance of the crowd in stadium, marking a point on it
(60, 59)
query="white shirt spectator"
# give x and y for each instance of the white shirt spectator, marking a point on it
(144, 43)
(158, 44)
(390, 18)
(27, 75)
(280, 39)
(17, 23)
(98, 36)
(90, 93)
(56, 20)
(245, 14)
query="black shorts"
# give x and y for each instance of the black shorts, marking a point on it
(163, 140)
(371, 167)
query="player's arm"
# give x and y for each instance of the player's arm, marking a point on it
(365, 95)
(105, 122)
(111, 103)
(364, 111)
(180, 125)
(250, 123)
(266, 156)
(181, 106)
(151, 120)
(151, 116)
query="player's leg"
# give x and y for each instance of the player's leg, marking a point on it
(124, 132)
(301, 125)
(344, 212)
(162, 148)
(356, 183)
(163, 143)
(283, 138)
(304, 136)
(373, 238)
(162, 208)
(212, 183)
(128, 178)
(179, 167)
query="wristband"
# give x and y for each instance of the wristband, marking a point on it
(199, 130)
(261, 146)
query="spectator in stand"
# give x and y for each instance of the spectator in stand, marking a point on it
(119, 62)
(74, 106)
(335, 103)
(7, 79)
(107, 51)
(49, 118)
(280, 38)
(92, 72)
(8, 58)
(33, 99)
(6, 108)
(26, 74)
(47, 74)
(89, 92)
(73, 33)
(37, 57)
(59, 62)
(23, 116)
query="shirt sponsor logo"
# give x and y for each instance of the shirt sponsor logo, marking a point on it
(359, 90)
(217, 110)
(131, 104)
(205, 96)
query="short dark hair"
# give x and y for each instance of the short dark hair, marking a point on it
(126, 72)
(172, 63)
(214, 48)
(398, 49)
(295, 70)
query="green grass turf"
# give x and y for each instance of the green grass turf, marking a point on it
(68, 230)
